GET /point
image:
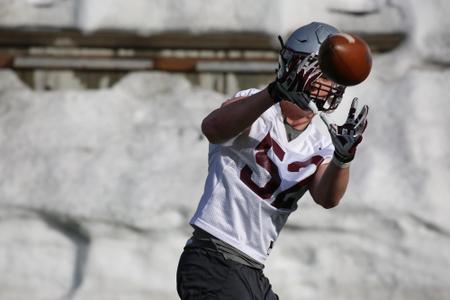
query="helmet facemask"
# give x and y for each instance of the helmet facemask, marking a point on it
(325, 94)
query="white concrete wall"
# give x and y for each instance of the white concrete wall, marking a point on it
(96, 187)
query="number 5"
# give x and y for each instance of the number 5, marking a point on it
(272, 185)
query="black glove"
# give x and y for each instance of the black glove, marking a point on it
(293, 76)
(346, 137)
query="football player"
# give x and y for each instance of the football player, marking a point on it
(264, 155)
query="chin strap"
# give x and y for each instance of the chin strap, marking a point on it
(281, 41)
(273, 88)
(313, 107)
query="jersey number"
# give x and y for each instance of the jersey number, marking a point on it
(262, 159)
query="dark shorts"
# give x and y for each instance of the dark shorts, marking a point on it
(205, 274)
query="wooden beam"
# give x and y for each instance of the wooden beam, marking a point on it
(120, 39)
(26, 38)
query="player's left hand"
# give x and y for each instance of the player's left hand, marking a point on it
(346, 137)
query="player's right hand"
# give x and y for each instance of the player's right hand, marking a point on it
(293, 77)
(347, 136)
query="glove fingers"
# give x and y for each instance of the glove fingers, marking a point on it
(352, 111)
(347, 137)
(309, 71)
(290, 73)
(334, 129)
(354, 103)
(302, 74)
(361, 120)
(293, 64)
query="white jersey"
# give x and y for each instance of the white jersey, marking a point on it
(255, 179)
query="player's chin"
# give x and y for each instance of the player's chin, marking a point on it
(301, 121)
(309, 114)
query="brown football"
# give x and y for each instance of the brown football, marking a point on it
(345, 58)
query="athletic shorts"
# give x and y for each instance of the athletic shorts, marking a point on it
(204, 274)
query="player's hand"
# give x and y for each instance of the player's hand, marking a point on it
(293, 76)
(346, 137)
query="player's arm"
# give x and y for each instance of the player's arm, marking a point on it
(330, 180)
(234, 116)
(329, 184)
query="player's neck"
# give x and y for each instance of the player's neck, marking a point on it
(295, 117)
(291, 132)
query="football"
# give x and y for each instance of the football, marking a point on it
(345, 58)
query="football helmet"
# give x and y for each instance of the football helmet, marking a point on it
(299, 74)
